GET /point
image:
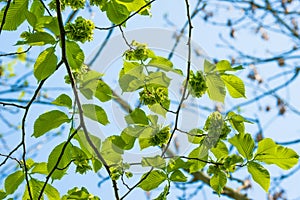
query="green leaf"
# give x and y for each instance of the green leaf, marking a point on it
(31, 18)
(51, 192)
(95, 113)
(38, 39)
(259, 174)
(45, 64)
(13, 181)
(79, 194)
(178, 176)
(138, 116)
(216, 87)
(129, 83)
(163, 64)
(97, 165)
(85, 145)
(223, 65)
(64, 160)
(195, 136)
(200, 153)
(40, 168)
(158, 109)
(156, 162)
(158, 78)
(37, 8)
(2, 194)
(110, 152)
(213, 125)
(271, 153)
(208, 67)
(176, 163)
(15, 15)
(153, 180)
(48, 121)
(237, 121)
(220, 151)
(63, 100)
(164, 194)
(75, 55)
(218, 181)
(244, 144)
(116, 12)
(103, 91)
(234, 85)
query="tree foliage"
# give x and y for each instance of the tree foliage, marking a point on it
(217, 150)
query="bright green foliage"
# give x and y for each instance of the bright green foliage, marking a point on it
(213, 126)
(81, 30)
(156, 162)
(196, 135)
(234, 85)
(259, 174)
(218, 181)
(164, 194)
(63, 158)
(216, 87)
(13, 181)
(2, 194)
(138, 116)
(220, 150)
(36, 39)
(75, 55)
(63, 100)
(197, 84)
(152, 180)
(40, 168)
(178, 176)
(79, 194)
(35, 188)
(161, 137)
(95, 113)
(237, 121)
(48, 121)
(74, 4)
(198, 157)
(15, 15)
(244, 144)
(154, 95)
(45, 64)
(271, 153)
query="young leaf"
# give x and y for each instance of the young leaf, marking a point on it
(223, 65)
(153, 180)
(45, 64)
(220, 150)
(51, 192)
(15, 15)
(218, 181)
(158, 78)
(116, 12)
(37, 8)
(244, 144)
(40, 168)
(2, 194)
(200, 153)
(75, 55)
(138, 116)
(156, 162)
(38, 39)
(95, 113)
(216, 87)
(271, 153)
(63, 100)
(208, 67)
(176, 163)
(259, 174)
(110, 152)
(84, 144)
(103, 91)
(164, 194)
(64, 160)
(178, 176)
(234, 85)
(13, 181)
(48, 121)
